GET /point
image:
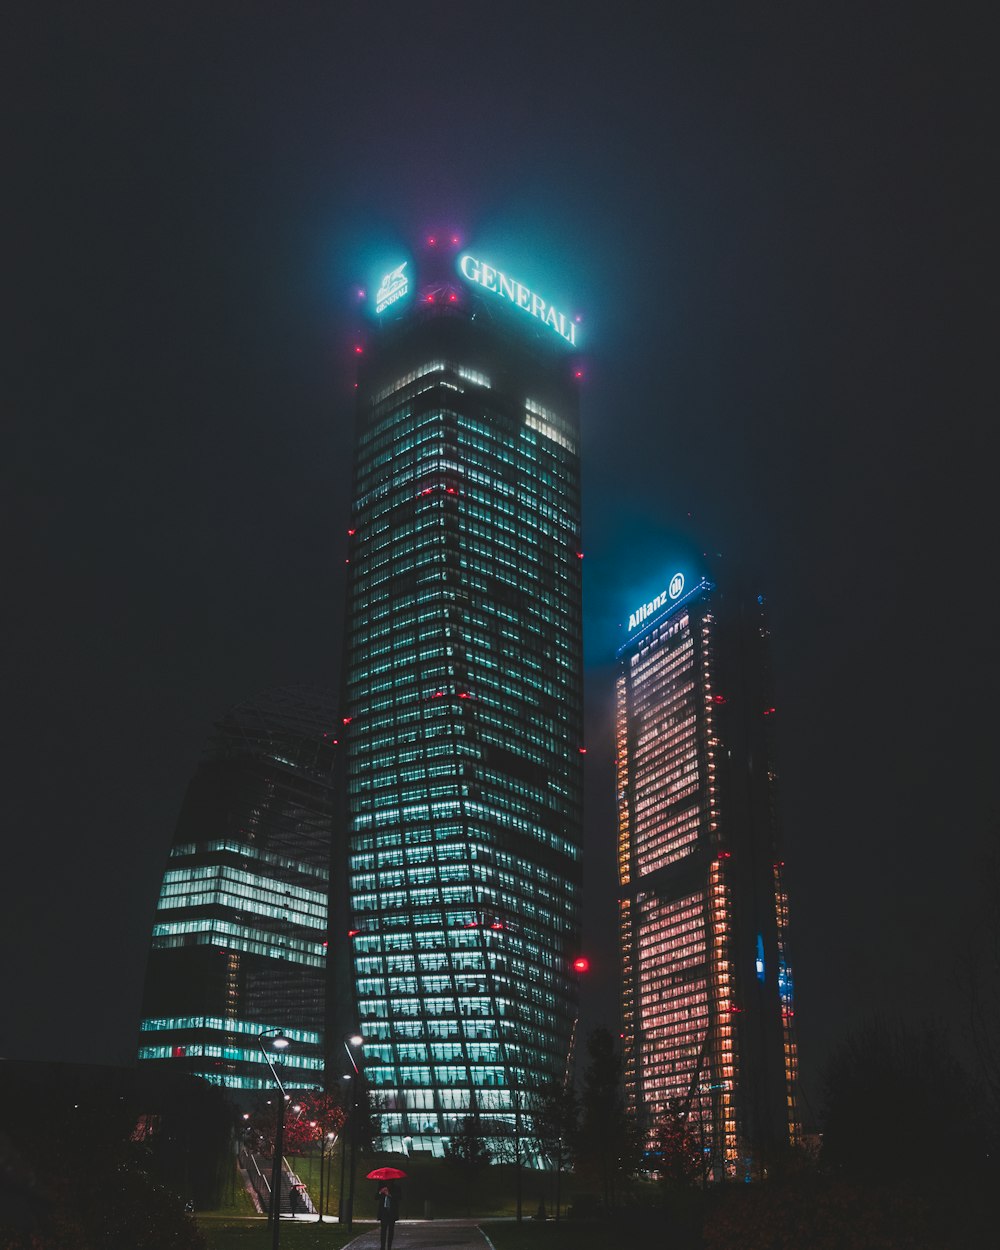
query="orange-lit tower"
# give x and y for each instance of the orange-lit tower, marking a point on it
(707, 984)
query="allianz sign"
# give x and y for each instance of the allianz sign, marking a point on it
(673, 591)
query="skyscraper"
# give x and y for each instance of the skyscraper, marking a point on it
(707, 984)
(463, 701)
(238, 944)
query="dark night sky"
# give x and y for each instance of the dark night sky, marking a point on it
(775, 218)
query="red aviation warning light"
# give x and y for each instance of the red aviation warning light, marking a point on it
(581, 964)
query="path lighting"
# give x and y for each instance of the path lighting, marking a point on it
(279, 1042)
(352, 1042)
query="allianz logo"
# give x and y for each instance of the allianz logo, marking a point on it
(673, 591)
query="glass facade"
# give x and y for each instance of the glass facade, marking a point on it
(239, 937)
(462, 724)
(707, 989)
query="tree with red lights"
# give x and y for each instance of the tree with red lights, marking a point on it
(679, 1146)
(318, 1114)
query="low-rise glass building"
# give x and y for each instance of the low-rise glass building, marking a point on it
(239, 936)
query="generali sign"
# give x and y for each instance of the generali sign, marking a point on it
(518, 294)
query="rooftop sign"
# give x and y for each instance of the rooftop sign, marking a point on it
(474, 270)
(393, 286)
(674, 591)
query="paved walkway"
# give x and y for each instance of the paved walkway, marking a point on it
(427, 1235)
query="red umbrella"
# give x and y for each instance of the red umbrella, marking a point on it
(386, 1174)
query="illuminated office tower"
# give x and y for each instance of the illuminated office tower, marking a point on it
(707, 985)
(239, 936)
(463, 705)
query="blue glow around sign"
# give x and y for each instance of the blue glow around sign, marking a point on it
(675, 588)
(393, 287)
(473, 270)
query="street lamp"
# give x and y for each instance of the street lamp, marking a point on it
(352, 1041)
(279, 1042)
(341, 1205)
(326, 1142)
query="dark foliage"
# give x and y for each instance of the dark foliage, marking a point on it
(822, 1212)
(101, 1159)
(901, 1108)
(467, 1153)
(555, 1115)
(607, 1145)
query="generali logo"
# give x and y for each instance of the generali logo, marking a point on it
(393, 286)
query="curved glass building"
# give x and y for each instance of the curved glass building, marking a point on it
(463, 698)
(239, 936)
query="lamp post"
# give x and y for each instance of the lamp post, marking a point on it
(343, 1160)
(325, 1146)
(351, 1043)
(278, 1042)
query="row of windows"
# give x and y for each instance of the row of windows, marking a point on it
(200, 1050)
(164, 1024)
(479, 517)
(541, 474)
(429, 813)
(469, 937)
(248, 851)
(421, 371)
(546, 428)
(666, 841)
(239, 937)
(251, 886)
(411, 1074)
(182, 898)
(677, 743)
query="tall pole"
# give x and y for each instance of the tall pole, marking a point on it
(341, 1206)
(279, 1041)
(354, 1149)
(279, 1150)
(350, 1042)
(325, 1147)
(559, 1154)
(322, 1147)
(517, 1145)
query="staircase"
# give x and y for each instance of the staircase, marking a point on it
(294, 1197)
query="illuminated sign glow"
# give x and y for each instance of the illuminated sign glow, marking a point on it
(393, 286)
(507, 288)
(674, 591)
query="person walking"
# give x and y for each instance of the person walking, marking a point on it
(388, 1213)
